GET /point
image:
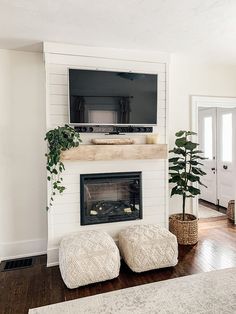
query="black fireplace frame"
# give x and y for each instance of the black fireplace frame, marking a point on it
(83, 221)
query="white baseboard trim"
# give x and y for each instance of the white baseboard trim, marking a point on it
(53, 256)
(19, 249)
(52, 264)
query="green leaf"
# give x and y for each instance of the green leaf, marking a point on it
(49, 178)
(174, 159)
(174, 174)
(195, 163)
(175, 179)
(175, 168)
(176, 190)
(193, 190)
(181, 142)
(192, 177)
(198, 171)
(197, 152)
(190, 145)
(179, 134)
(191, 133)
(198, 157)
(178, 151)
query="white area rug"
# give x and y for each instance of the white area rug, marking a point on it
(206, 212)
(212, 292)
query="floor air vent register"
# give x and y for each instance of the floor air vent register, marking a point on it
(15, 264)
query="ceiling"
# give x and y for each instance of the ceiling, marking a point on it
(194, 27)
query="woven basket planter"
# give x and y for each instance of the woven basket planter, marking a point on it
(186, 231)
(230, 211)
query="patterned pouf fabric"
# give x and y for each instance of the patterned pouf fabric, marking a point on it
(146, 247)
(88, 257)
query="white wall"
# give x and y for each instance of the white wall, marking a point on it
(193, 77)
(23, 224)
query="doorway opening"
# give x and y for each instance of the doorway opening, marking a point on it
(214, 119)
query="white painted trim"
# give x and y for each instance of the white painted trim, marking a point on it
(18, 249)
(53, 256)
(23, 255)
(52, 264)
(207, 102)
(167, 197)
(106, 53)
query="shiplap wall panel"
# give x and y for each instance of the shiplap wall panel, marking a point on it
(104, 63)
(64, 216)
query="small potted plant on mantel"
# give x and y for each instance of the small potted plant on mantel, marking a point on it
(185, 170)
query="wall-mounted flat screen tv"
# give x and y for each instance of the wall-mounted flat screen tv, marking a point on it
(112, 98)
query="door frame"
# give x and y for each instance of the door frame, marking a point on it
(207, 102)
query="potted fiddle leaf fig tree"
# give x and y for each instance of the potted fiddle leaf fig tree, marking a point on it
(185, 170)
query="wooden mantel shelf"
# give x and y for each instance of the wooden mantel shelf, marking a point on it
(116, 152)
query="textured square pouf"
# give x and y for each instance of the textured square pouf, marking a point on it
(146, 247)
(88, 257)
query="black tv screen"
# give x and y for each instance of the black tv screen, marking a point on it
(112, 98)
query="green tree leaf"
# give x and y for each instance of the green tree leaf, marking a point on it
(192, 177)
(175, 168)
(174, 159)
(176, 190)
(198, 171)
(180, 142)
(193, 190)
(180, 133)
(195, 162)
(178, 151)
(197, 152)
(191, 133)
(190, 145)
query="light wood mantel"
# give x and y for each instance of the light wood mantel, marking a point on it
(116, 152)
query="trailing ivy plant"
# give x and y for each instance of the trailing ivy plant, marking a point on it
(185, 168)
(58, 140)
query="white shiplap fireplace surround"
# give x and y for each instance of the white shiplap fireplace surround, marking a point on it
(64, 216)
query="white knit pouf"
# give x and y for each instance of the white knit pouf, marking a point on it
(88, 257)
(146, 247)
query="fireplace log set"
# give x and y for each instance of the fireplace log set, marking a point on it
(103, 208)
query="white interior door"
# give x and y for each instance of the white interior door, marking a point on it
(207, 139)
(226, 149)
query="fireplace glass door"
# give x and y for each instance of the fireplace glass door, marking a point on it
(110, 197)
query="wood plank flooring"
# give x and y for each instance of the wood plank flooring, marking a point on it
(39, 285)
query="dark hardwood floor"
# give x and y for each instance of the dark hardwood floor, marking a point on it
(39, 285)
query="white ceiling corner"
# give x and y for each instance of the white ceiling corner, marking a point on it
(194, 27)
